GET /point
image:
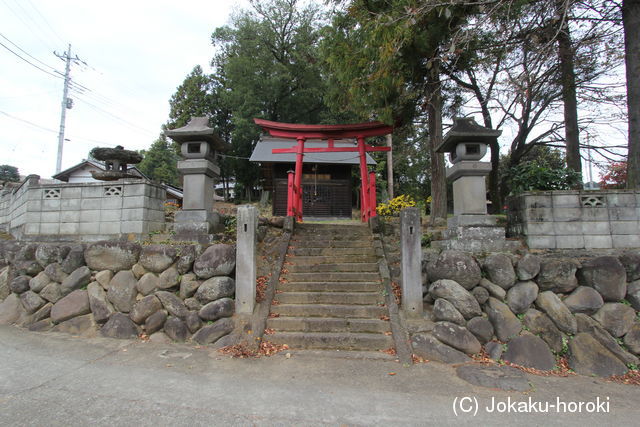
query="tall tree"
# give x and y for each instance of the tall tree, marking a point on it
(196, 96)
(268, 67)
(631, 21)
(438, 208)
(520, 65)
(384, 58)
(566, 56)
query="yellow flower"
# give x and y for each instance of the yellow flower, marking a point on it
(395, 205)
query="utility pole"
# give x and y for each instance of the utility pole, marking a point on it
(66, 103)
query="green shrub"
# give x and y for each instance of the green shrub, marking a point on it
(532, 176)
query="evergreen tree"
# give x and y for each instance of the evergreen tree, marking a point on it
(9, 173)
(268, 67)
(160, 161)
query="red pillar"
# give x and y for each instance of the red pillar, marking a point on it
(298, 179)
(291, 198)
(364, 178)
(372, 194)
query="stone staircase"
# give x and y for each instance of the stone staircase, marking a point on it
(330, 295)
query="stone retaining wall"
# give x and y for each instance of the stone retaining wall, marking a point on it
(527, 309)
(119, 289)
(533, 311)
(576, 219)
(81, 211)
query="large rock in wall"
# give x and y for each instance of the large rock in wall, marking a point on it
(112, 255)
(606, 275)
(119, 289)
(217, 260)
(157, 258)
(458, 266)
(499, 270)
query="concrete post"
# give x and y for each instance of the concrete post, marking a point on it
(246, 260)
(410, 242)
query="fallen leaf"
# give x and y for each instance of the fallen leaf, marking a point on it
(632, 378)
(392, 373)
(418, 359)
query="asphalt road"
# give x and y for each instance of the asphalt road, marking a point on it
(55, 379)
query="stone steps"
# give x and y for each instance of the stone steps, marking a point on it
(329, 310)
(333, 277)
(322, 243)
(325, 259)
(332, 228)
(355, 298)
(332, 340)
(298, 251)
(329, 287)
(328, 324)
(330, 296)
(351, 267)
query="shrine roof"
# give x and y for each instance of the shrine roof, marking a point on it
(263, 152)
(295, 130)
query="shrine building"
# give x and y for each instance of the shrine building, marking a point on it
(318, 159)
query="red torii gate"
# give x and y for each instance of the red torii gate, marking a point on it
(301, 133)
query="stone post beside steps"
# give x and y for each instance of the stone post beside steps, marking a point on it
(410, 243)
(246, 259)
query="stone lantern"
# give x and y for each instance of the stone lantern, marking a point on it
(199, 145)
(115, 161)
(466, 142)
(470, 229)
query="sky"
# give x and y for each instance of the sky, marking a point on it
(136, 54)
(132, 57)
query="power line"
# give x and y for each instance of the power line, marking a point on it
(83, 90)
(54, 32)
(118, 118)
(28, 122)
(232, 157)
(28, 54)
(74, 137)
(31, 63)
(28, 95)
(27, 25)
(66, 103)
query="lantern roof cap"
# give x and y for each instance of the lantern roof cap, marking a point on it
(465, 129)
(197, 130)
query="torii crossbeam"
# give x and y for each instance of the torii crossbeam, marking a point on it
(301, 133)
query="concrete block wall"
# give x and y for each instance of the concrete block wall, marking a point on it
(601, 219)
(82, 211)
